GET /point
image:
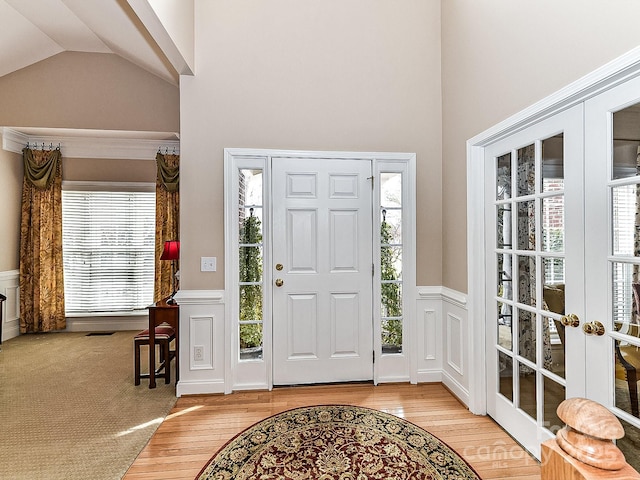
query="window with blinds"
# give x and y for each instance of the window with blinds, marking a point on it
(108, 249)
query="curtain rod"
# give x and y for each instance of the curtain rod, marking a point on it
(166, 150)
(42, 147)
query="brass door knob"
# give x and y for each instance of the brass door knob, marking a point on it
(593, 328)
(570, 320)
(279, 282)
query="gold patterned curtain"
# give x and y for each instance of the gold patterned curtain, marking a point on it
(41, 268)
(167, 219)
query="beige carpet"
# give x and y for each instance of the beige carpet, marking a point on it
(69, 408)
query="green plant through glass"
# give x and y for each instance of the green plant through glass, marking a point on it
(391, 294)
(250, 264)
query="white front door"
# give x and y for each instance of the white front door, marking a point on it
(535, 275)
(322, 270)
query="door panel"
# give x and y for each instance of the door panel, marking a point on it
(535, 204)
(612, 178)
(322, 298)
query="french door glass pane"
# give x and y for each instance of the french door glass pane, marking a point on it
(526, 225)
(526, 171)
(504, 326)
(527, 335)
(503, 177)
(553, 224)
(625, 209)
(505, 370)
(505, 276)
(554, 394)
(553, 164)
(527, 381)
(527, 280)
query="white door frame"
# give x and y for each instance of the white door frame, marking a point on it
(258, 374)
(619, 70)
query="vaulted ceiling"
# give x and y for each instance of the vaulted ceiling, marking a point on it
(32, 30)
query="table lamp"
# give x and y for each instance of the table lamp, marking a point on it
(171, 252)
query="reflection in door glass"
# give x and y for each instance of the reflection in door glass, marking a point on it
(505, 276)
(625, 209)
(553, 164)
(627, 369)
(526, 175)
(527, 335)
(553, 224)
(553, 301)
(527, 225)
(527, 382)
(504, 326)
(625, 143)
(554, 394)
(527, 280)
(630, 444)
(505, 370)
(503, 177)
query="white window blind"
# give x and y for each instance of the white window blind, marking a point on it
(108, 250)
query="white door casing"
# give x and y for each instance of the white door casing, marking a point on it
(258, 373)
(322, 241)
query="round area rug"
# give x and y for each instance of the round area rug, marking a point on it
(335, 442)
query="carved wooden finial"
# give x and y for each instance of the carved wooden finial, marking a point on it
(589, 433)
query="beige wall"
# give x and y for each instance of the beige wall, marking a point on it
(10, 195)
(500, 56)
(79, 90)
(88, 90)
(109, 170)
(362, 75)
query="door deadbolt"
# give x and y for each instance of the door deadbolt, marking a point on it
(279, 282)
(593, 328)
(279, 266)
(570, 320)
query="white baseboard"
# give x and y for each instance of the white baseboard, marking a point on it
(104, 324)
(429, 376)
(199, 387)
(455, 388)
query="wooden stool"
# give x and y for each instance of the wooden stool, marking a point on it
(164, 335)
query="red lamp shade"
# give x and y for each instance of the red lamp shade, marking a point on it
(171, 250)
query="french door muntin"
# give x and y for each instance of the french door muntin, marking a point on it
(533, 252)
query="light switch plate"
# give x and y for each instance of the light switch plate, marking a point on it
(207, 264)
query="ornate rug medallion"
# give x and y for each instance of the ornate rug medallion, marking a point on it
(336, 442)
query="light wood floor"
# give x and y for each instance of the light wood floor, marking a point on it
(199, 425)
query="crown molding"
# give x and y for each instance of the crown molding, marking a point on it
(76, 143)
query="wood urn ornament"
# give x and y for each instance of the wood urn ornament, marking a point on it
(589, 433)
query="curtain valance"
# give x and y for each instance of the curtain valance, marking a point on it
(168, 175)
(41, 175)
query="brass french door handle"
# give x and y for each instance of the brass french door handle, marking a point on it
(593, 328)
(570, 320)
(279, 282)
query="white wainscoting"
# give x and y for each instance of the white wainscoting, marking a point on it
(10, 288)
(441, 316)
(202, 325)
(442, 346)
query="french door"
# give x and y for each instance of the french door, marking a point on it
(322, 270)
(535, 275)
(612, 250)
(563, 282)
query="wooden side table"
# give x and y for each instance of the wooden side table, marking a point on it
(162, 312)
